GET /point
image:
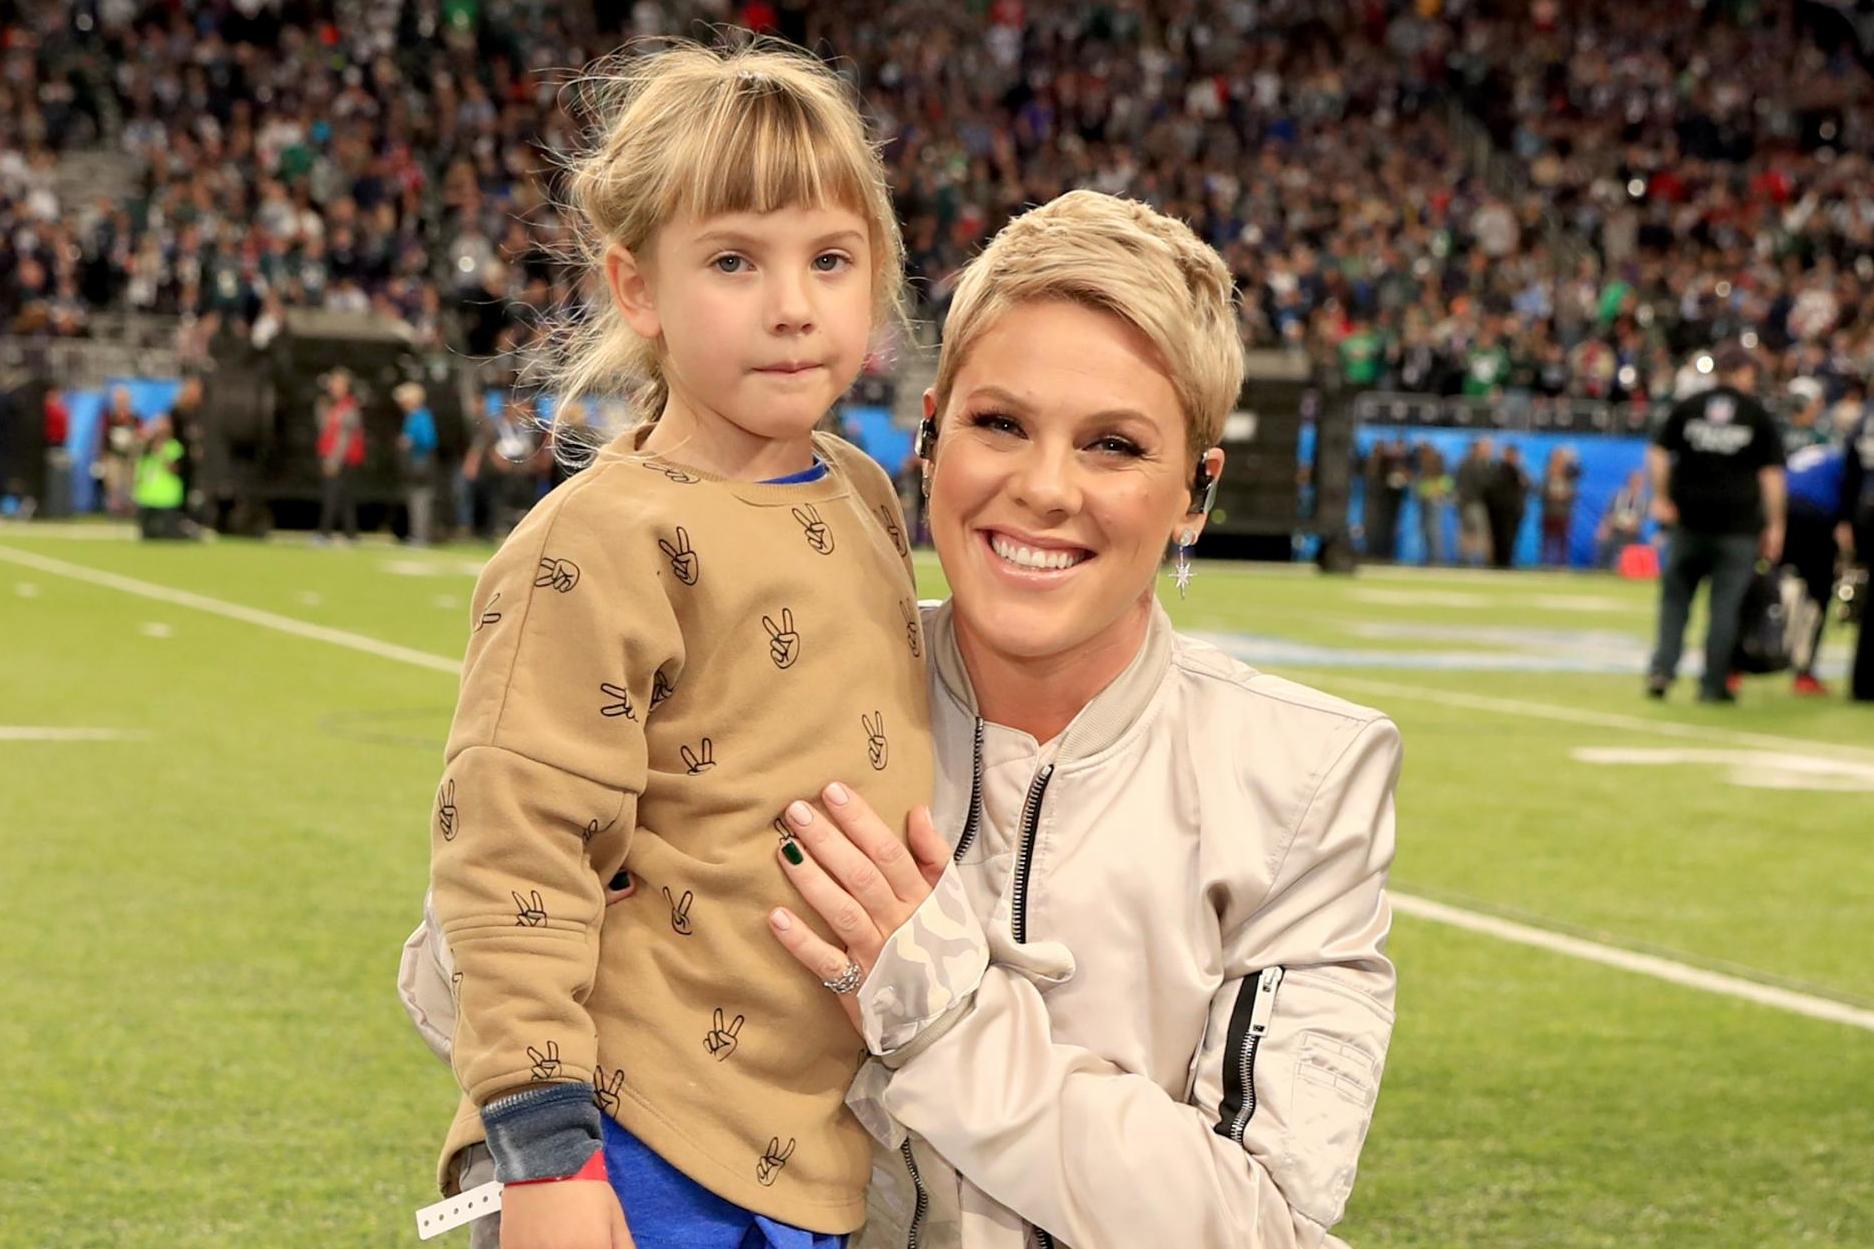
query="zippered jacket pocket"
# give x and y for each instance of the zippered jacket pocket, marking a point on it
(1290, 1071)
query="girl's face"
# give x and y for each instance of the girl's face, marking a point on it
(762, 319)
(1062, 469)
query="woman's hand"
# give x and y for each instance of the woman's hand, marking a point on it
(858, 877)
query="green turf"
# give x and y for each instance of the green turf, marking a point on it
(207, 1050)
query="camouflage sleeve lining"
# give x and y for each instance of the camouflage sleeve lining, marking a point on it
(926, 972)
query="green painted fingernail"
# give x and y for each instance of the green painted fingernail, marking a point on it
(790, 850)
(620, 881)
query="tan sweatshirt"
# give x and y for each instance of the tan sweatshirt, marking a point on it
(660, 661)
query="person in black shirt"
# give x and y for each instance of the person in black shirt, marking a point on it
(1717, 471)
(1506, 496)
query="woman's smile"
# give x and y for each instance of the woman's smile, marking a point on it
(1041, 560)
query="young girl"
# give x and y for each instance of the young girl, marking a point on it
(709, 617)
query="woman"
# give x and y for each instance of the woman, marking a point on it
(119, 436)
(1433, 487)
(1561, 485)
(341, 455)
(1134, 991)
(1148, 1003)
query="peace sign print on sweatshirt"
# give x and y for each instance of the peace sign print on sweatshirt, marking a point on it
(768, 1168)
(556, 574)
(680, 911)
(683, 561)
(722, 1038)
(892, 529)
(620, 704)
(877, 749)
(445, 811)
(913, 626)
(818, 535)
(783, 641)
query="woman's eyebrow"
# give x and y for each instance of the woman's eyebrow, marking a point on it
(1007, 398)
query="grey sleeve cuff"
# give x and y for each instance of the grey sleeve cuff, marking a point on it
(542, 1133)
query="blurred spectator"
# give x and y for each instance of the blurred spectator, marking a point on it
(1856, 536)
(1815, 476)
(1474, 476)
(57, 498)
(1622, 521)
(506, 467)
(114, 463)
(158, 491)
(1561, 486)
(416, 460)
(1506, 498)
(1362, 355)
(185, 424)
(1432, 486)
(341, 455)
(1806, 427)
(1849, 409)
(1717, 476)
(1388, 477)
(1440, 197)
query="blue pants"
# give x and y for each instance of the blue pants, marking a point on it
(666, 1209)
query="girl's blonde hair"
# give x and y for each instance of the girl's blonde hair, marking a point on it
(1118, 256)
(679, 128)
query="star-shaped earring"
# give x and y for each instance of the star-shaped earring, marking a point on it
(1182, 573)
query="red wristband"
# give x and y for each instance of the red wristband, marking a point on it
(593, 1170)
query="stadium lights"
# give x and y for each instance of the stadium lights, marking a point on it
(1749, 339)
(1636, 187)
(1703, 364)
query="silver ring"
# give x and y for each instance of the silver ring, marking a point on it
(848, 980)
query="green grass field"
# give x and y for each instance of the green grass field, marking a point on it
(206, 1051)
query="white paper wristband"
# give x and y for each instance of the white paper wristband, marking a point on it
(462, 1208)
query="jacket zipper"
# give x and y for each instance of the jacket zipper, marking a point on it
(1018, 910)
(1024, 862)
(1268, 980)
(923, 1198)
(976, 796)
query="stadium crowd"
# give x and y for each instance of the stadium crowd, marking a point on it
(1661, 177)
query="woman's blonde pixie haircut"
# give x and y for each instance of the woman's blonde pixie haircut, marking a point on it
(680, 129)
(1123, 257)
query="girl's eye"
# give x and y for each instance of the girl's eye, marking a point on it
(729, 263)
(995, 422)
(831, 262)
(1113, 444)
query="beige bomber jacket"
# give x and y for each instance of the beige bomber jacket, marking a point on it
(1150, 1003)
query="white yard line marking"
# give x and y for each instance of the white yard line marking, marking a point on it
(1420, 908)
(1753, 769)
(1594, 719)
(1641, 964)
(65, 733)
(233, 611)
(92, 531)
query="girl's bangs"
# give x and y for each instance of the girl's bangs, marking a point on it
(769, 150)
